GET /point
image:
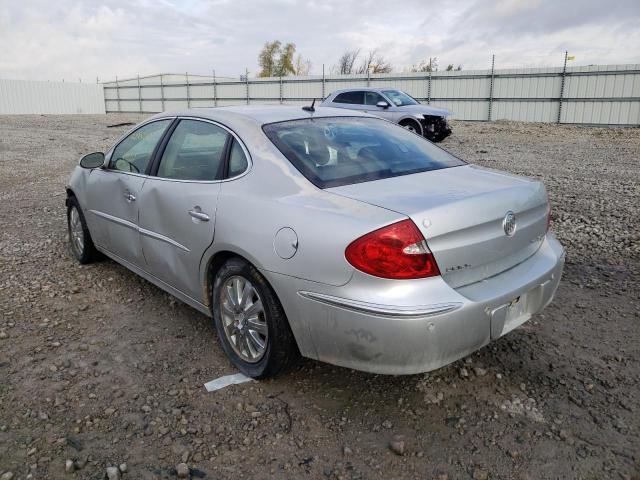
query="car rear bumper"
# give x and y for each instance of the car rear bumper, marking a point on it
(407, 327)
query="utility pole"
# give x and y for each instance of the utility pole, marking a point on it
(246, 79)
(564, 74)
(493, 61)
(139, 96)
(215, 93)
(118, 93)
(161, 93)
(186, 76)
(429, 88)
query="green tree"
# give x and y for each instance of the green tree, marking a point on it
(268, 58)
(285, 65)
(276, 60)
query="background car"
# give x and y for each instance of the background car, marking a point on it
(321, 232)
(397, 106)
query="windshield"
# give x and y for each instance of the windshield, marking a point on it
(400, 99)
(336, 151)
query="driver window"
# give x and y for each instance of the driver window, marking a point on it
(134, 152)
(372, 98)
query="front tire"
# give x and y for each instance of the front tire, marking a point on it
(80, 241)
(412, 126)
(250, 321)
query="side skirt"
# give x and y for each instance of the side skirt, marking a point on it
(157, 282)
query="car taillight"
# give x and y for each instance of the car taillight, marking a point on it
(397, 251)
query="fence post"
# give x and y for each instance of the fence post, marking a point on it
(215, 93)
(429, 88)
(280, 89)
(139, 96)
(564, 73)
(186, 76)
(161, 93)
(118, 93)
(246, 79)
(493, 61)
(323, 80)
(368, 77)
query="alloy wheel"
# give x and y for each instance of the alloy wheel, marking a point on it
(243, 318)
(75, 231)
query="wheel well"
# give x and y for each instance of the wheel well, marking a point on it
(70, 194)
(214, 265)
(404, 121)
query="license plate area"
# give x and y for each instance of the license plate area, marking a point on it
(510, 315)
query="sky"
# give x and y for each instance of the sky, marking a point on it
(93, 39)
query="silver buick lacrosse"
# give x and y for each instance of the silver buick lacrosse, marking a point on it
(320, 232)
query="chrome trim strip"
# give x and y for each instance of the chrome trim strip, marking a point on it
(142, 231)
(113, 219)
(162, 238)
(382, 310)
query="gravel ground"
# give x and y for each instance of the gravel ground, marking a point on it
(102, 373)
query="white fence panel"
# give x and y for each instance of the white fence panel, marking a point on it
(33, 97)
(598, 94)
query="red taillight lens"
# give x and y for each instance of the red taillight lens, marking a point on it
(396, 251)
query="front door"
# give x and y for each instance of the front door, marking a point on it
(113, 193)
(178, 204)
(371, 100)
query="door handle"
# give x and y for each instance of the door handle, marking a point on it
(129, 197)
(197, 213)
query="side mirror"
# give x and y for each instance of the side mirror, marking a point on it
(93, 160)
(382, 104)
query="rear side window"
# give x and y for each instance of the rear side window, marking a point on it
(237, 160)
(331, 152)
(354, 98)
(195, 151)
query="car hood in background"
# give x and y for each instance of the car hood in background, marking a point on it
(426, 110)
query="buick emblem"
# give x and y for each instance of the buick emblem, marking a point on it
(509, 224)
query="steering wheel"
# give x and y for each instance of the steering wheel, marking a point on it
(130, 165)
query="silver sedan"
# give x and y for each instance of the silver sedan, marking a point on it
(322, 232)
(397, 106)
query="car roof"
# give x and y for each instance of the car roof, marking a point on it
(259, 114)
(362, 89)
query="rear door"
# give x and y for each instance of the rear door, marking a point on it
(113, 192)
(178, 202)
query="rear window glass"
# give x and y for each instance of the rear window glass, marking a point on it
(331, 152)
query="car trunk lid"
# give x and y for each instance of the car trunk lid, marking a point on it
(461, 211)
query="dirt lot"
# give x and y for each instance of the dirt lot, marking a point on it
(99, 368)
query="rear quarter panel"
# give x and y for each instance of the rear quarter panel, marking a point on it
(274, 195)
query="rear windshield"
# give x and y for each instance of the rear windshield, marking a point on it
(345, 150)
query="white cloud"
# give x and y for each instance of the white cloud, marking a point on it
(66, 39)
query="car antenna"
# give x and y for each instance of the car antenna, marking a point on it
(310, 108)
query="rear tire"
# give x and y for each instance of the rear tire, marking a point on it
(82, 246)
(250, 321)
